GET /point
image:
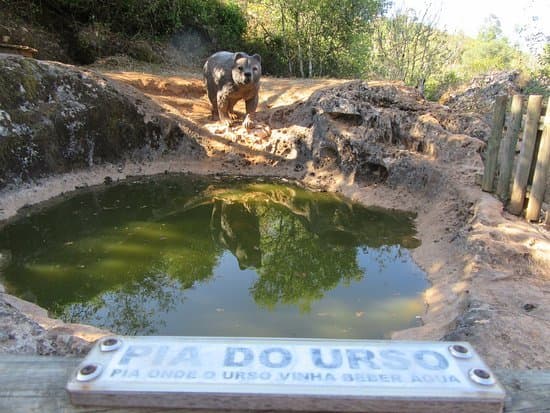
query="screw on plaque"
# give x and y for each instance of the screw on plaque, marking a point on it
(89, 372)
(110, 344)
(481, 376)
(460, 351)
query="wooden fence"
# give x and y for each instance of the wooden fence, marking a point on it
(531, 165)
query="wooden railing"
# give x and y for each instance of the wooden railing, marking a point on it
(532, 163)
(37, 384)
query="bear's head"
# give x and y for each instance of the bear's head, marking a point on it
(246, 69)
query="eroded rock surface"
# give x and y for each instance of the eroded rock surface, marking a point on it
(372, 132)
(54, 118)
(478, 96)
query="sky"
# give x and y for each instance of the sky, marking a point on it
(469, 16)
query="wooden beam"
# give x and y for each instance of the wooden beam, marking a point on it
(541, 172)
(509, 148)
(37, 384)
(525, 159)
(528, 391)
(542, 121)
(494, 144)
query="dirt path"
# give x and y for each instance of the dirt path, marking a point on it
(490, 272)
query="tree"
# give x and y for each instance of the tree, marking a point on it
(533, 31)
(489, 51)
(314, 36)
(408, 47)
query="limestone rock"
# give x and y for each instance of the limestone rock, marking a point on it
(55, 117)
(478, 96)
(368, 130)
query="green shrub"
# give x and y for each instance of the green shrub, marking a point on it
(440, 83)
(537, 84)
(270, 49)
(539, 79)
(224, 22)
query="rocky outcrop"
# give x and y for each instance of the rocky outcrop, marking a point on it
(55, 118)
(478, 96)
(373, 131)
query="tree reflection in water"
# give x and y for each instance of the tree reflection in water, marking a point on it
(125, 257)
(130, 308)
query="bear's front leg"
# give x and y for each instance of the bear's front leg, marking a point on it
(251, 105)
(231, 111)
(223, 107)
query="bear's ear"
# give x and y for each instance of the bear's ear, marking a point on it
(258, 57)
(238, 56)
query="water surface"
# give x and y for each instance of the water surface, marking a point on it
(180, 255)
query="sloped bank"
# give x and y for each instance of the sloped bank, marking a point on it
(380, 144)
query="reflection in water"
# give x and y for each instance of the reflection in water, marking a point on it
(236, 228)
(185, 256)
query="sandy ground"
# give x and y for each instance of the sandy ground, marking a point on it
(489, 270)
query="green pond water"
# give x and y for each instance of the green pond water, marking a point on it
(181, 255)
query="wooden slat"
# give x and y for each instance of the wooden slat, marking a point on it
(509, 143)
(37, 384)
(542, 121)
(523, 168)
(538, 187)
(494, 144)
(528, 391)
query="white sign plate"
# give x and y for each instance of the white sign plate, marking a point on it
(285, 374)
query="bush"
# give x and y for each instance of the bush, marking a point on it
(539, 79)
(438, 84)
(224, 23)
(270, 49)
(537, 84)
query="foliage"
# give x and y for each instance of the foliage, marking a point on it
(492, 51)
(440, 82)
(274, 62)
(539, 78)
(407, 47)
(314, 37)
(489, 51)
(544, 61)
(533, 30)
(357, 39)
(305, 38)
(223, 21)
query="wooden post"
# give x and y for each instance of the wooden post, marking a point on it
(526, 154)
(509, 148)
(541, 171)
(494, 144)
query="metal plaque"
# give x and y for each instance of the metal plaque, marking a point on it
(285, 374)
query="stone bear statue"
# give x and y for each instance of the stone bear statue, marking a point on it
(229, 78)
